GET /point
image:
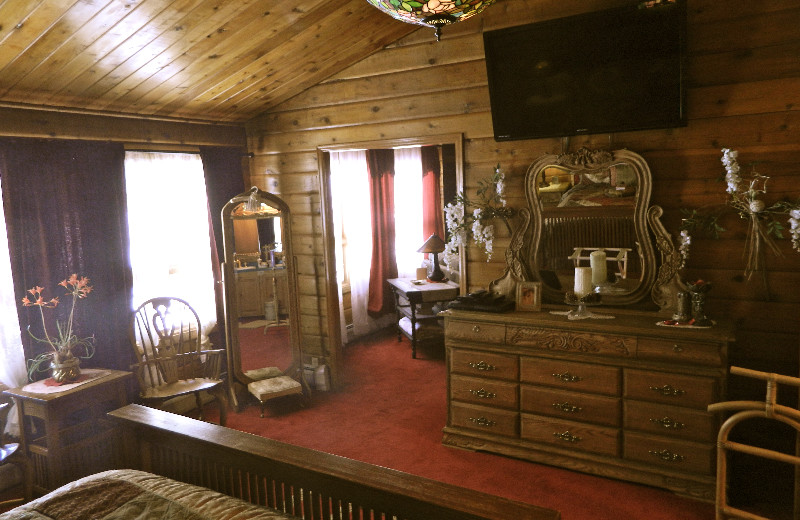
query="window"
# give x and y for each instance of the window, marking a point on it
(169, 231)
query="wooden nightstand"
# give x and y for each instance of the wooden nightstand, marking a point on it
(414, 300)
(64, 434)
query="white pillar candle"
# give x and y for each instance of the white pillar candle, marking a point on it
(583, 281)
(597, 259)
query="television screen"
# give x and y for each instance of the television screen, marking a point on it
(608, 71)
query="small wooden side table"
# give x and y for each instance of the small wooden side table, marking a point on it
(409, 296)
(64, 434)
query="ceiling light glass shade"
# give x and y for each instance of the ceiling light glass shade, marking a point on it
(432, 13)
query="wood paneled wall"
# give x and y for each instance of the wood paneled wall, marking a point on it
(158, 133)
(743, 93)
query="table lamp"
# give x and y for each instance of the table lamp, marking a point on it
(434, 245)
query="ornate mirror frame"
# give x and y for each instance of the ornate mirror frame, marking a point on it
(526, 249)
(252, 205)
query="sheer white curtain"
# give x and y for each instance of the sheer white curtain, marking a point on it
(12, 358)
(353, 227)
(350, 194)
(168, 227)
(408, 210)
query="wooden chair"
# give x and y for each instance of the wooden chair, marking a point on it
(8, 450)
(166, 337)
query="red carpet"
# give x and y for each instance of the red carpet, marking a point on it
(391, 413)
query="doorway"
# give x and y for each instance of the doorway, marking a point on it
(335, 296)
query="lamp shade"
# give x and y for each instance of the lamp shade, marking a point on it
(434, 244)
(432, 13)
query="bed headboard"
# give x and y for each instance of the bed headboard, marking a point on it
(300, 481)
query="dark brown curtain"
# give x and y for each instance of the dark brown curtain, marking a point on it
(65, 210)
(224, 176)
(380, 164)
(432, 211)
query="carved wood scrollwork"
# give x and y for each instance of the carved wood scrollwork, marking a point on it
(562, 341)
(668, 282)
(516, 269)
(585, 158)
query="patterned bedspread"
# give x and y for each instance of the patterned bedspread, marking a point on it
(130, 494)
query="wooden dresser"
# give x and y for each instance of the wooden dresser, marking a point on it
(622, 398)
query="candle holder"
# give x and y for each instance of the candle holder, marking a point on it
(581, 312)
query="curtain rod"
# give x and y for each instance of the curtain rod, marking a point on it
(165, 148)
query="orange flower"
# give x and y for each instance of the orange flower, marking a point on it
(65, 342)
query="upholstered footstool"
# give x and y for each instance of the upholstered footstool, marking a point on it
(270, 388)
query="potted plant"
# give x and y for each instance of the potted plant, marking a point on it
(66, 348)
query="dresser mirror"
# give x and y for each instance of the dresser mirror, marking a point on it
(589, 201)
(261, 309)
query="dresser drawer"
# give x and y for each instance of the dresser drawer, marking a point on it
(572, 342)
(472, 331)
(678, 455)
(598, 409)
(571, 375)
(676, 389)
(484, 364)
(670, 421)
(570, 435)
(488, 392)
(489, 420)
(680, 351)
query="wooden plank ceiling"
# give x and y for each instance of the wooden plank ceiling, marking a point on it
(223, 60)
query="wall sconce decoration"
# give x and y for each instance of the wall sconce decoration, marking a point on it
(434, 245)
(432, 13)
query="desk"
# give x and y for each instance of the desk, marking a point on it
(65, 435)
(414, 302)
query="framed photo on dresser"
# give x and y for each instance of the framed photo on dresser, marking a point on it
(529, 296)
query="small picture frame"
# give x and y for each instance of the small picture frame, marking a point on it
(529, 296)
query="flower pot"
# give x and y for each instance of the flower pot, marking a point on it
(67, 370)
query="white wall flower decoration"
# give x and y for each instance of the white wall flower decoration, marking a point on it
(466, 216)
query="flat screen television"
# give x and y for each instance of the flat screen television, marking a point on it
(609, 71)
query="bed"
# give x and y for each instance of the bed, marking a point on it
(177, 468)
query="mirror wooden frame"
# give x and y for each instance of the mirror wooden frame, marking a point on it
(237, 379)
(526, 244)
(331, 293)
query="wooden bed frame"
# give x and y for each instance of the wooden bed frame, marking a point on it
(298, 481)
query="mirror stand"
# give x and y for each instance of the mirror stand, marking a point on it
(668, 281)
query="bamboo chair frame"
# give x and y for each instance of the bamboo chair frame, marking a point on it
(747, 410)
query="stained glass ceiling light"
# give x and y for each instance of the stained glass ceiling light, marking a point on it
(432, 13)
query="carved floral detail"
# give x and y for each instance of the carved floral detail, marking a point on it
(561, 341)
(585, 158)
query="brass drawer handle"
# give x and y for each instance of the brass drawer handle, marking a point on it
(482, 393)
(482, 421)
(566, 377)
(668, 423)
(566, 407)
(677, 348)
(482, 365)
(476, 328)
(666, 455)
(667, 390)
(567, 437)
